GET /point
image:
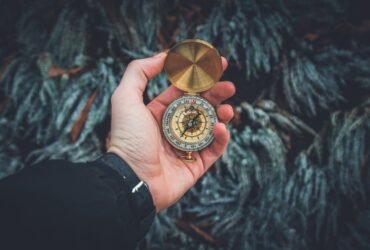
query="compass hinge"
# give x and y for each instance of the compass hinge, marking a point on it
(189, 93)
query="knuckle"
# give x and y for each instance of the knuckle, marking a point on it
(137, 63)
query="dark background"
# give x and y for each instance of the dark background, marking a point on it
(296, 173)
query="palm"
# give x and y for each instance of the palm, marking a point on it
(144, 146)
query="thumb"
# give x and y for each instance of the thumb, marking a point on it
(136, 77)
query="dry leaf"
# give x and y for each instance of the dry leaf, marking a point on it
(3, 102)
(55, 71)
(78, 125)
(191, 228)
(7, 61)
(311, 36)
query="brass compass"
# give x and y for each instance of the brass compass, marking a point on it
(192, 66)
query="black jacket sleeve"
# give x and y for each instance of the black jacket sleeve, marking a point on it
(61, 205)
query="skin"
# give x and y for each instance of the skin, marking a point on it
(137, 138)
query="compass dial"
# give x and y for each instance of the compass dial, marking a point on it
(188, 123)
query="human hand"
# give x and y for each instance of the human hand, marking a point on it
(137, 138)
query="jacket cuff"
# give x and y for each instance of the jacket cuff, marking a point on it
(138, 191)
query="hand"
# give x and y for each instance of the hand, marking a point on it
(136, 132)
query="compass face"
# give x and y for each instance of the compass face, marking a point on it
(188, 123)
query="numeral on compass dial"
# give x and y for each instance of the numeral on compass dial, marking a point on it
(188, 123)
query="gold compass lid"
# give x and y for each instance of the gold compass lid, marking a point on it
(193, 65)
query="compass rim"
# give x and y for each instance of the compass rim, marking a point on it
(183, 148)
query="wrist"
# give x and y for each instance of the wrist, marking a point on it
(134, 192)
(135, 167)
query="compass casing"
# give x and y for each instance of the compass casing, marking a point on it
(192, 66)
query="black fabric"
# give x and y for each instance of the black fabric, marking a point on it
(141, 200)
(120, 166)
(61, 205)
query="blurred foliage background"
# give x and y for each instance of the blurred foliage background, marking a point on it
(296, 173)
